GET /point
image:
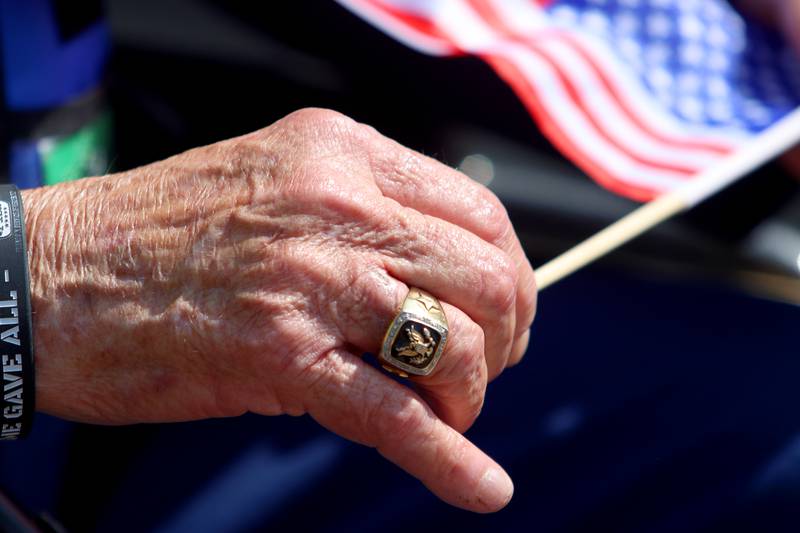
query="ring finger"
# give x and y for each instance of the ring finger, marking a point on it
(456, 386)
(457, 267)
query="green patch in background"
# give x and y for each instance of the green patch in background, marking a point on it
(87, 152)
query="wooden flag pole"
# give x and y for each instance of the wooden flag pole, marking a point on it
(768, 145)
(612, 237)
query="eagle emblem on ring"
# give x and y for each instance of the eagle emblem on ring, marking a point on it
(420, 347)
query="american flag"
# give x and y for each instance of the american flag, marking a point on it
(641, 94)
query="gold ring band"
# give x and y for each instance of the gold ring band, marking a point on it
(416, 338)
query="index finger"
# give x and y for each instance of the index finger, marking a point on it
(358, 402)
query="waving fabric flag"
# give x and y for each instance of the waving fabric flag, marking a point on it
(641, 94)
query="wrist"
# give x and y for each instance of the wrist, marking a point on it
(52, 252)
(102, 294)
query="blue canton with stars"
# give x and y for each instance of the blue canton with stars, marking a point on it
(699, 58)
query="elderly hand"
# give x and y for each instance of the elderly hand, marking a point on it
(251, 274)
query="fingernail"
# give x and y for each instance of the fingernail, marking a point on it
(495, 489)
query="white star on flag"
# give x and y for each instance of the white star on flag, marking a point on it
(643, 95)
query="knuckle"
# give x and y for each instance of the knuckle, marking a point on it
(520, 348)
(330, 193)
(342, 203)
(466, 358)
(326, 123)
(314, 117)
(531, 298)
(495, 221)
(448, 468)
(476, 381)
(499, 284)
(403, 168)
(392, 418)
(368, 298)
(474, 407)
(475, 339)
(323, 376)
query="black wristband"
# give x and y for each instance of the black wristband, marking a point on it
(16, 334)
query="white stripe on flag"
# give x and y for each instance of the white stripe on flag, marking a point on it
(579, 130)
(460, 22)
(523, 17)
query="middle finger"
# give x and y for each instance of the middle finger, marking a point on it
(457, 267)
(433, 188)
(456, 386)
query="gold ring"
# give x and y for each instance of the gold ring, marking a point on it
(416, 337)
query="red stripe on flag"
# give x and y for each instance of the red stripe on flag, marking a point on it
(414, 22)
(601, 128)
(528, 93)
(489, 15)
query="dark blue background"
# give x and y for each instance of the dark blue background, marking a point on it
(641, 406)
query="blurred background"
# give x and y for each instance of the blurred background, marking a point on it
(660, 389)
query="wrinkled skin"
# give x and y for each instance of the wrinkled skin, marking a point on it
(250, 275)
